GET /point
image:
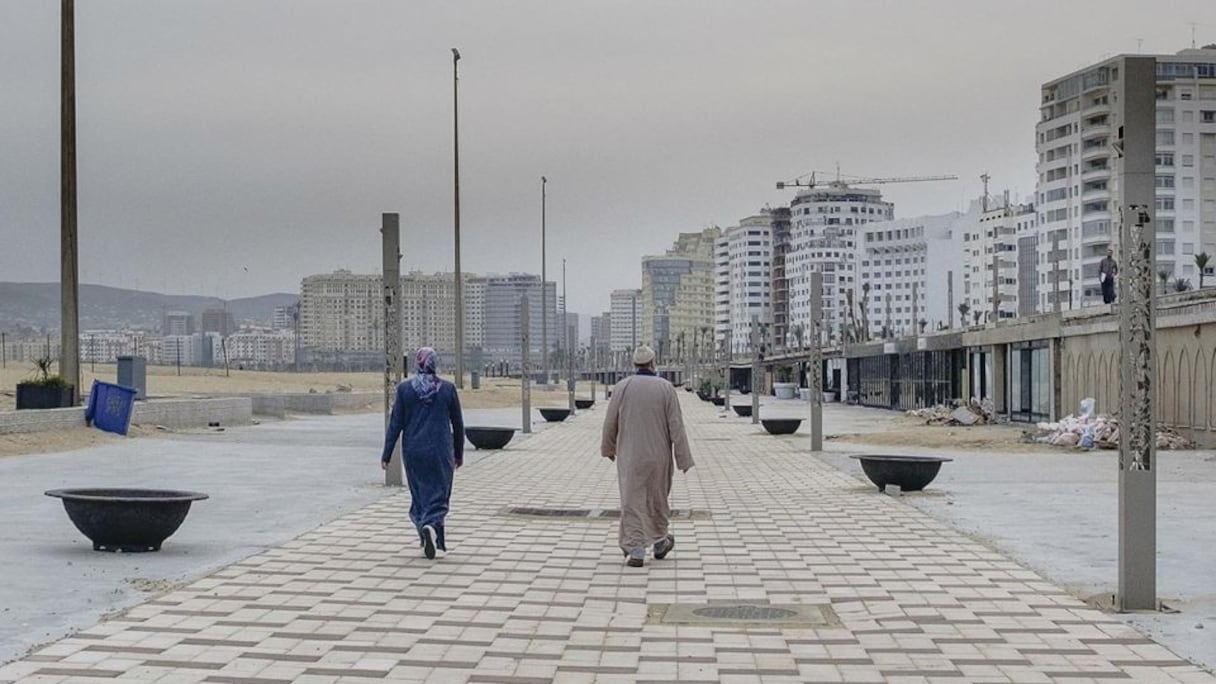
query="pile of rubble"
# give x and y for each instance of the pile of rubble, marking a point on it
(1089, 431)
(973, 413)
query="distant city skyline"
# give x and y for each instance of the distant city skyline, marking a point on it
(230, 149)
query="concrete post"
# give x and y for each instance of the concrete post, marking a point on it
(1055, 271)
(569, 363)
(525, 365)
(726, 341)
(69, 314)
(394, 361)
(815, 377)
(949, 299)
(755, 340)
(890, 330)
(1135, 142)
(915, 309)
(996, 287)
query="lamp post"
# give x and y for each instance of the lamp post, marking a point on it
(458, 281)
(544, 308)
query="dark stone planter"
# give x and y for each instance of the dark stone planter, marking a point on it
(555, 415)
(702, 396)
(489, 437)
(583, 404)
(909, 473)
(718, 401)
(32, 396)
(781, 426)
(744, 410)
(126, 519)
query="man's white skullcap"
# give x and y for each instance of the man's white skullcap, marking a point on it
(643, 355)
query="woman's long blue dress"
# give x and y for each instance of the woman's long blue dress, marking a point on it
(432, 442)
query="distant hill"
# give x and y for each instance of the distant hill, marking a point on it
(36, 306)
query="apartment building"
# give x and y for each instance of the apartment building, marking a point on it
(743, 286)
(903, 267)
(1077, 194)
(626, 320)
(677, 293)
(824, 225)
(997, 229)
(503, 331)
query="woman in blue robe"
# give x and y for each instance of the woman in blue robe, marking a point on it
(426, 415)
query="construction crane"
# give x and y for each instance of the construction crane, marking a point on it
(811, 182)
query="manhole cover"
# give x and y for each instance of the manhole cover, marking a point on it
(551, 512)
(596, 513)
(744, 613)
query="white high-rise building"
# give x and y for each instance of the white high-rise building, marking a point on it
(1078, 198)
(625, 319)
(743, 270)
(998, 227)
(904, 263)
(824, 237)
(342, 311)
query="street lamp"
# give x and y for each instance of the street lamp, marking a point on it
(544, 308)
(458, 284)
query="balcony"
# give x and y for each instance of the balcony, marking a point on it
(1101, 151)
(1095, 173)
(1096, 110)
(1095, 130)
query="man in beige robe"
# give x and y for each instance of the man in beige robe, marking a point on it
(643, 431)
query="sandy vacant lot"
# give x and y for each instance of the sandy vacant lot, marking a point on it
(903, 430)
(165, 382)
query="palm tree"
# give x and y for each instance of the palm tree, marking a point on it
(799, 334)
(1181, 285)
(1164, 276)
(963, 309)
(1201, 262)
(864, 306)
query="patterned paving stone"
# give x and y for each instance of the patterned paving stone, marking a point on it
(525, 598)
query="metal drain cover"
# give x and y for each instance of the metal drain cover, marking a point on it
(738, 614)
(744, 613)
(597, 513)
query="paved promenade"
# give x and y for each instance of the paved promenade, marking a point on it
(864, 588)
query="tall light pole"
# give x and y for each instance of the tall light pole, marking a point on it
(458, 280)
(544, 307)
(69, 313)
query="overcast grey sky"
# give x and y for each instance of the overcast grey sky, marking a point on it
(220, 135)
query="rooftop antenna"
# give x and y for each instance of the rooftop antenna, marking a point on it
(1193, 25)
(985, 178)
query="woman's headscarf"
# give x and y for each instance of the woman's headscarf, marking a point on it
(425, 382)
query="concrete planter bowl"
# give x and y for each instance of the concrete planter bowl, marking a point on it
(781, 426)
(555, 415)
(489, 437)
(130, 520)
(583, 404)
(909, 473)
(743, 410)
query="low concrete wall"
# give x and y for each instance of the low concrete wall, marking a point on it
(316, 404)
(190, 413)
(175, 414)
(41, 420)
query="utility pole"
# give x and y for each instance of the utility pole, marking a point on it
(69, 313)
(458, 279)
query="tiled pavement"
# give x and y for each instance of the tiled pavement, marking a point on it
(537, 600)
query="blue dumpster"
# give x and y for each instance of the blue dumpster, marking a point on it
(110, 407)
